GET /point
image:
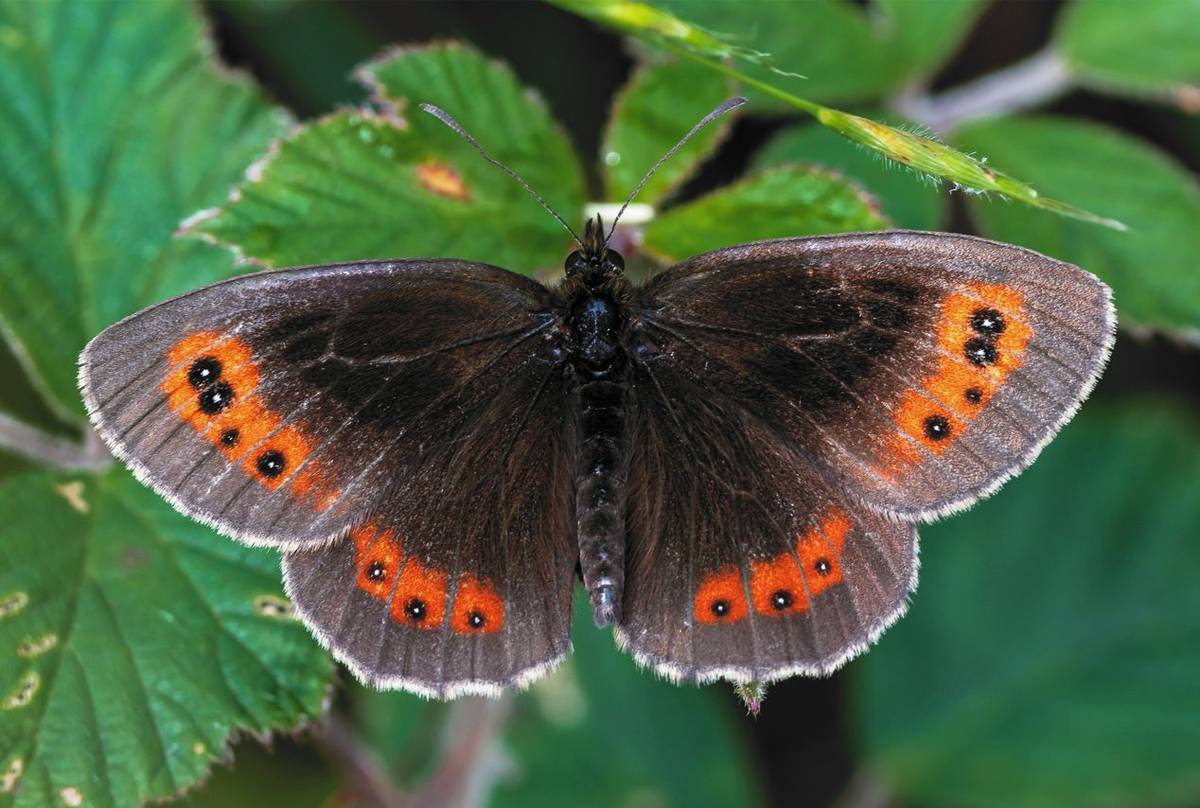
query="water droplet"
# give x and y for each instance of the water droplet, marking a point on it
(612, 158)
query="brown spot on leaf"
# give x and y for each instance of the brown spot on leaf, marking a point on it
(24, 692)
(72, 492)
(12, 603)
(11, 775)
(30, 648)
(134, 558)
(274, 606)
(443, 180)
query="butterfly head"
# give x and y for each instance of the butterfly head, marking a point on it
(595, 264)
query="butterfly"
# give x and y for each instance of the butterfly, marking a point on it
(733, 456)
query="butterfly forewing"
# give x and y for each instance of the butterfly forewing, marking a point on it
(277, 406)
(921, 369)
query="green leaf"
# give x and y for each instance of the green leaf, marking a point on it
(658, 105)
(609, 734)
(359, 185)
(116, 126)
(923, 154)
(909, 199)
(1139, 49)
(1052, 651)
(136, 643)
(844, 52)
(775, 203)
(1154, 268)
(284, 774)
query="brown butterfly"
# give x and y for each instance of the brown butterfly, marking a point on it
(734, 455)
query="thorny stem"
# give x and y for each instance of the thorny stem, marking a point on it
(1024, 85)
(50, 450)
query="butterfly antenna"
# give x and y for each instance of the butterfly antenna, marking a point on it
(448, 119)
(732, 103)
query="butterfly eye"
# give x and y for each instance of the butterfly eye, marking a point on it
(614, 263)
(575, 263)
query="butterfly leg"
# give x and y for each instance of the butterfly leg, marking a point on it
(600, 495)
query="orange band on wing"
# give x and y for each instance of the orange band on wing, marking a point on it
(418, 597)
(782, 585)
(478, 609)
(721, 597)
(981, 337)
(213, 386)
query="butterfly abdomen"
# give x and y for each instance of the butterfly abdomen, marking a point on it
(600, 495)
(599, 402)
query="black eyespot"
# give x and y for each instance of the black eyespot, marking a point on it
(981, 351)
(415, 609)
(781, 599)
(973, 395)
(230, 437)
(823, 567)
(270, 463)
(937, 427)
(216, 398)
(720, 608)
(476, 620)
(376, 570)
(203, 372)
(988, 321)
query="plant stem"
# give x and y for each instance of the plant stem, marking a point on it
(50, 450)
(1024, 85)
(367, 778)
(470, 760)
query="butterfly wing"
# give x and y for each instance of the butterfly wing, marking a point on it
(744, 562)
(278, 406)
(394, 426)
(826, 392)
(460, 580)
(920, 369)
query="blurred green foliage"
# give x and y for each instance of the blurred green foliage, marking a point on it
(1052, 651)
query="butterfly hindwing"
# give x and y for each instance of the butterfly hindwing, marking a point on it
(920, 369)
(745, 563)
(279, 406)
(460, 581)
